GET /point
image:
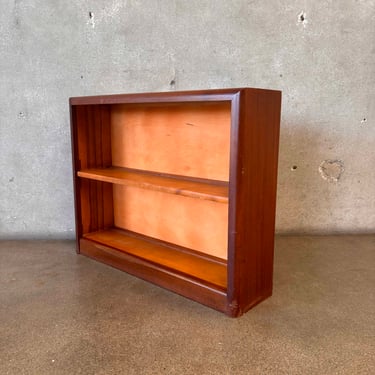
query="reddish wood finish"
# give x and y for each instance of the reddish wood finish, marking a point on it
(182, 284)
(211, 191)
(207, 269)
(254, 136)
(253, 197)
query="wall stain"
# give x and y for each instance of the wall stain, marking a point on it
(331, 170)
(16, 14)
(302, 19)
(91, 20)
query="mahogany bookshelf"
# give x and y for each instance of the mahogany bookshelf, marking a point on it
(179, 189)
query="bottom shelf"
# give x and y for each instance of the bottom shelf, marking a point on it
(188, 264)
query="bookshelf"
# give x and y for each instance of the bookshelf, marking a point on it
(179, 189)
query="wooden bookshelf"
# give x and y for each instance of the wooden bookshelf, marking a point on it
(179, 189)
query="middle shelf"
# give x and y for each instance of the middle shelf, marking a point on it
(216, 191)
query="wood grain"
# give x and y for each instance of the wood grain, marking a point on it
(193, 189)
(185, 285)
(196, 224)
(212, 272)
(252, 198)
(92, 148)
(190, 139)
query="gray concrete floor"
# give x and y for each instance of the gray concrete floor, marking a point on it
(65, 314)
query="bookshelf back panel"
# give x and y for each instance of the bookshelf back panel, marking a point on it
(193, 223)
(190, 139)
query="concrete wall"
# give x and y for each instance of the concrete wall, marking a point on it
(319, 53)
